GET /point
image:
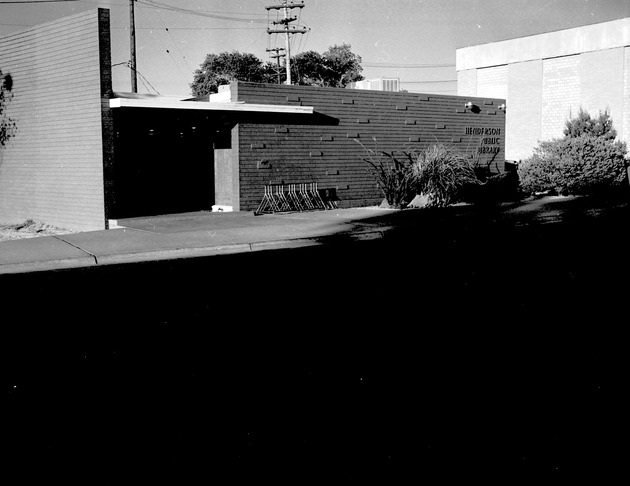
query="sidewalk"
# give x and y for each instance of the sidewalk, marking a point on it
(187, 235)
(201, 234)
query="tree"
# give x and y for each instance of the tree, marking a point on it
(223, 68)
(342, 66)
(584, 124)
(337, 67)
(307, 69)
(7, 125)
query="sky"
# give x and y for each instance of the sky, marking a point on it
(414, 40)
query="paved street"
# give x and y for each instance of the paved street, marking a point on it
(461, 344)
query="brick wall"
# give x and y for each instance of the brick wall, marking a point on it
(586, 67)
(561, 94)
(467, 82)
(624, 129)
(493, 82)
(325, 148)
(524, 109)
(601, 83)
(52, 171)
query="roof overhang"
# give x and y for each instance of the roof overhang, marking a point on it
(176, 104)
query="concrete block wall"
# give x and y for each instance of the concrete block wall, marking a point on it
(602, 83)
(549, 77)
(467, 82)
(624, 130)
(561, 96)
(525, 88)
(542, 94)
(493, 81)
(52, 170)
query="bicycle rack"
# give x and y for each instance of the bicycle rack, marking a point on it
(296, 197)
(268, 204)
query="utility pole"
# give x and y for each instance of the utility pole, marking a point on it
(132, 40)
(286, 30)
(277, 57)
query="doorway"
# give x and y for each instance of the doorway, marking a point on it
(163, 162)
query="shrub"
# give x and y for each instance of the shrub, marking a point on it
(493, 188)
(584, 124)
(394, 176)
(8, 127)
(584, 164)
(442, 172)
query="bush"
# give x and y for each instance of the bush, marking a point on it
(493, 188)
(442, 172)
(8, 126)
(584, 164)
(584, 124)
(394, 176)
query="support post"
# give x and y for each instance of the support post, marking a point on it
(132, 41)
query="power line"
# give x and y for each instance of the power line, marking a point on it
(180, 51)
(38, 1)
(199, 13)
(145, 81)
(156, 28)
(176, 45)
(184, 28)
(436, 81)
(402, 65)
(143, 78)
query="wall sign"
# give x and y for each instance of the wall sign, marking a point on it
(491, 141)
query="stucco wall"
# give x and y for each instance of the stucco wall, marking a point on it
(52, 170)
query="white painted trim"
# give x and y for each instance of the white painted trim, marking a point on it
(174, 104)
(567, 42)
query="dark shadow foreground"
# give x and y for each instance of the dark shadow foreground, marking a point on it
(459, 348)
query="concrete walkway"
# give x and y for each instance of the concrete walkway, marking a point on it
(206, 234)
(187, 235)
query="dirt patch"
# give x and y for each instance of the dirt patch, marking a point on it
(29, 229)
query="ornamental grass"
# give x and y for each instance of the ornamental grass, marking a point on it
(441, 172)
(394, 175)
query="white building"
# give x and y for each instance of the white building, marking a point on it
(546, 78)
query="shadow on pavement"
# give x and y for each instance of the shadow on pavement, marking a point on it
(460, 345)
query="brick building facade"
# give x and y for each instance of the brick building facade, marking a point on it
(547, 78)
(84, 155)
(52, 170)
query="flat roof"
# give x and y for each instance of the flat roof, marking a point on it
(566, 42)
(178, 104)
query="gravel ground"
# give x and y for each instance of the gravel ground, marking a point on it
(29, 229)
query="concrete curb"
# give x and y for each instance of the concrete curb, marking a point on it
(171, 254)
(180, 253)
(47, 265)
(92, 260)
(316, 241)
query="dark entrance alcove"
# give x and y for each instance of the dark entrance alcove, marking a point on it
(163, 162)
